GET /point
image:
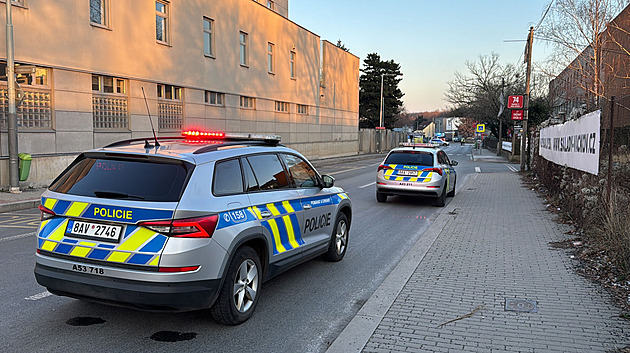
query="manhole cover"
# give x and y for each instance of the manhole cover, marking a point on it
(521, 305)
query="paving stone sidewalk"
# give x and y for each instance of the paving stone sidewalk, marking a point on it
(489, 245)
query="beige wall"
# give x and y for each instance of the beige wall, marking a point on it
(58, 35)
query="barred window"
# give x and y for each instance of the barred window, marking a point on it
(214, 98)
(34, 110)
(248, 102)
(302, 109)
(109, 103)
(169, 92)
(170, 116)
(282, 107)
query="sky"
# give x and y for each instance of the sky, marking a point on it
(431, 40)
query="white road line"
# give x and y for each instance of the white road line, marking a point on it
(39, 296)
(477, 170)
(511, 167)
(2, 240)
(366, 185)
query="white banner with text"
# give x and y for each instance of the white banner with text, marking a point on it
(573, 144)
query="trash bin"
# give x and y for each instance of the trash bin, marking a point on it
(25, 165)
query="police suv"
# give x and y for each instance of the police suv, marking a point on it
(185, 223)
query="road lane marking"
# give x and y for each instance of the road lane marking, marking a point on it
(511, 167)
(39, 296)
(477, 170)
(19, 236)
(366, 185)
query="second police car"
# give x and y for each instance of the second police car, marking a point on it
(416, 170)
(189, 223)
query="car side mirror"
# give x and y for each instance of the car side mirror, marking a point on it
(329, 181)
(454, 163)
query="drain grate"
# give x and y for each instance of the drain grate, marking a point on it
(521, 305)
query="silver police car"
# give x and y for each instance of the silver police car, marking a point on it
(176, 224)
(416, 170)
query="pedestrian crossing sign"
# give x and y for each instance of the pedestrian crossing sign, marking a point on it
(481, 128)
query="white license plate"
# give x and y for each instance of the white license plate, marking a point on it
(88, 269)
(408, 172)
(94, 230)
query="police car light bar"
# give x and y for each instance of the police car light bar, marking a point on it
(201, 135)
(412, 144)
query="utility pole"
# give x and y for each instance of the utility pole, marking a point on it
(528, 60)
(501, 107)
(12, 116)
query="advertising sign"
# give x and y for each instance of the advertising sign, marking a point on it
(517, 115)
(574, 144)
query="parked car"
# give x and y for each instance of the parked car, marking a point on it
(439, 141)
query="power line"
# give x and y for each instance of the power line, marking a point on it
(545, 15)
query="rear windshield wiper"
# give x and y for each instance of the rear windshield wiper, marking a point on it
(116, 195)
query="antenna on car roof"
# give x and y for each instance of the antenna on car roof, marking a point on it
(146, 143)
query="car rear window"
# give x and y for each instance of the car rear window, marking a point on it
(410, 158)
(124, 179)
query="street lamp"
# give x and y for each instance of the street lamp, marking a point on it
(380, 124)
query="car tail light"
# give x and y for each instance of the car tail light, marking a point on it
(46, 213)
(202, 227)
(435, 170)
(383, 166)
(178, 269)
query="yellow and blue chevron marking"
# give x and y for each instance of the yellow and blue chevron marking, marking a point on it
(421, 176)
(104, 212)
(283, 224)
(138, 246)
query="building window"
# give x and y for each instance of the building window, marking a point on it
(270, 63)
(170, 108)
(214, 98)
(292, 64)
(109, 103)
(242, 38)
(270, 5)
(35, 109)
(282, 107)
(208, 37)
(98, 12)
(247, 102)
(161, 21)
(302, 109)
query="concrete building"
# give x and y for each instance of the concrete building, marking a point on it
(228, 65)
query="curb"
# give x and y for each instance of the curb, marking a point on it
(19, 205)
(357, 333)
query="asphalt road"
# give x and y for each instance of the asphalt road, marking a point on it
(302, 310)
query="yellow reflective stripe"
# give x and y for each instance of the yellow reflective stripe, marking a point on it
(287, 206)
(289, 225)
(136, 239)
(274, 211)
(155, 261)
(276, 236)
(50, 203)
(255, 211)
(76, 209)
(343, 196)
(413, 179)
(389, 172)
(399, 178)
(118, 256)
(49, 245)
(58, 233)
(43, 224)
(393, 166)
(82, 251)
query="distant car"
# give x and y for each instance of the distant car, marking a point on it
(416, 171)
(439, 141)
(455, 139)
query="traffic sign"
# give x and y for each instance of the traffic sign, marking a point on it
(380, 128)
(481, 128)
(515, 102)
(517, 115)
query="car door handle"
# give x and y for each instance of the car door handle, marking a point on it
(265, 214)
(307, 206)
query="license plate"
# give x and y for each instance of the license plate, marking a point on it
(105, 232)
(88, 269)
(407, 172)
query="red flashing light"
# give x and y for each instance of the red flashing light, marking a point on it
(202, 135)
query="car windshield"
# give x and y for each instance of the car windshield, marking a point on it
(410, 158)
(124, 179)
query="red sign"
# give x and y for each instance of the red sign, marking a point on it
(515, 102)
(517, 115)
(380, 128)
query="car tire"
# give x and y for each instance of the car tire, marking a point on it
(241, 289)
(452, 192)
(380, 197)
(441, 201)
(338, 240)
